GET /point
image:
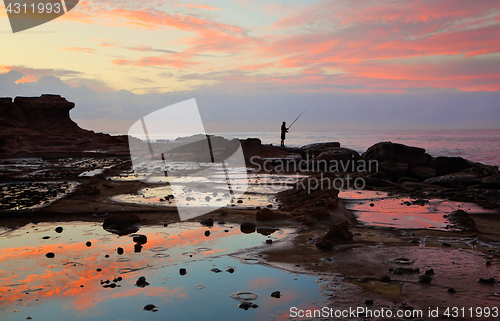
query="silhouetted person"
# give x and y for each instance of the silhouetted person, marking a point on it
(284, 130)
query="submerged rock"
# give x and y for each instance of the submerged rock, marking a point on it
(276, 294)
(122, 224)
(460, 218)
(248, 227)
(141, 282)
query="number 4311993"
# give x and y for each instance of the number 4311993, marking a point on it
(478, 312)
(32, 8)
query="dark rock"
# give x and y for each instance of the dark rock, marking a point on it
(50, 255)
(88, 244)
(276, 294)
(267, 214)
(141, 282)
(461, 218)
(59, 229)
(207, 233)
(449, 165)
(395, 170)
(452, 290)
(429, 272)
(492, 181)
(140, 239)
(248, 227)
(328, 160)
(385, 279)
(149, 307)
(216, 270)
(122, 224)
(454, 180)
(230, 270)
(247, 305)
(119, 251)
(338, 232)
(446, 244)
(207, 222)
(46, 237)
(239, 201)
(398, 153)
(137, 248)
(368, 302)
(269, 241)
(424, 278)
(422, 173)
(182, 271)
(487, 280)
(98, 269)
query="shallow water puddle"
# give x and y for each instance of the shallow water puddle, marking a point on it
(193, 191)
(188, 275)
(377, 208)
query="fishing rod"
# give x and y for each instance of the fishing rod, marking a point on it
(298, 117)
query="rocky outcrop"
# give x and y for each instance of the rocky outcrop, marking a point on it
(397, 153)
(448, 165)
(41, 126)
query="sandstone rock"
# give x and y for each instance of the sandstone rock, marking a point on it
(399, 153)
(338, 232)
(34, 126)
(267, 214)
(454, 180)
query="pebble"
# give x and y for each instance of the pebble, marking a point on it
(50, 255)
(150, 307)
(368, 302)
(88, 244)
(452, 290)
(59, 229)
(207, 233)
(385, 279)
(424, 278)
(182, 271)
(119, 251)
(276, 294)
(141, 282)
(269, 241)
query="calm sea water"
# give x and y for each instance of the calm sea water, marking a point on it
(476, 145)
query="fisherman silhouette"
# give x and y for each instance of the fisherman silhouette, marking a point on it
(284, 130)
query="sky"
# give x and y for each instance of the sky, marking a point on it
(250, 64)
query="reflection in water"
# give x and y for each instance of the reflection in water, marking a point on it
(191, 191)
(377, 208)
(83, 282)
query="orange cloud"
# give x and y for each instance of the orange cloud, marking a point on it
(79, 49)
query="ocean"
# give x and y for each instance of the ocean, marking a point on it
(478, 145)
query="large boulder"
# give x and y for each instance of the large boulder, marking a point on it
(395, 170)
(315, 149)
(398, 153)
(449, 165)
(335, 159)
